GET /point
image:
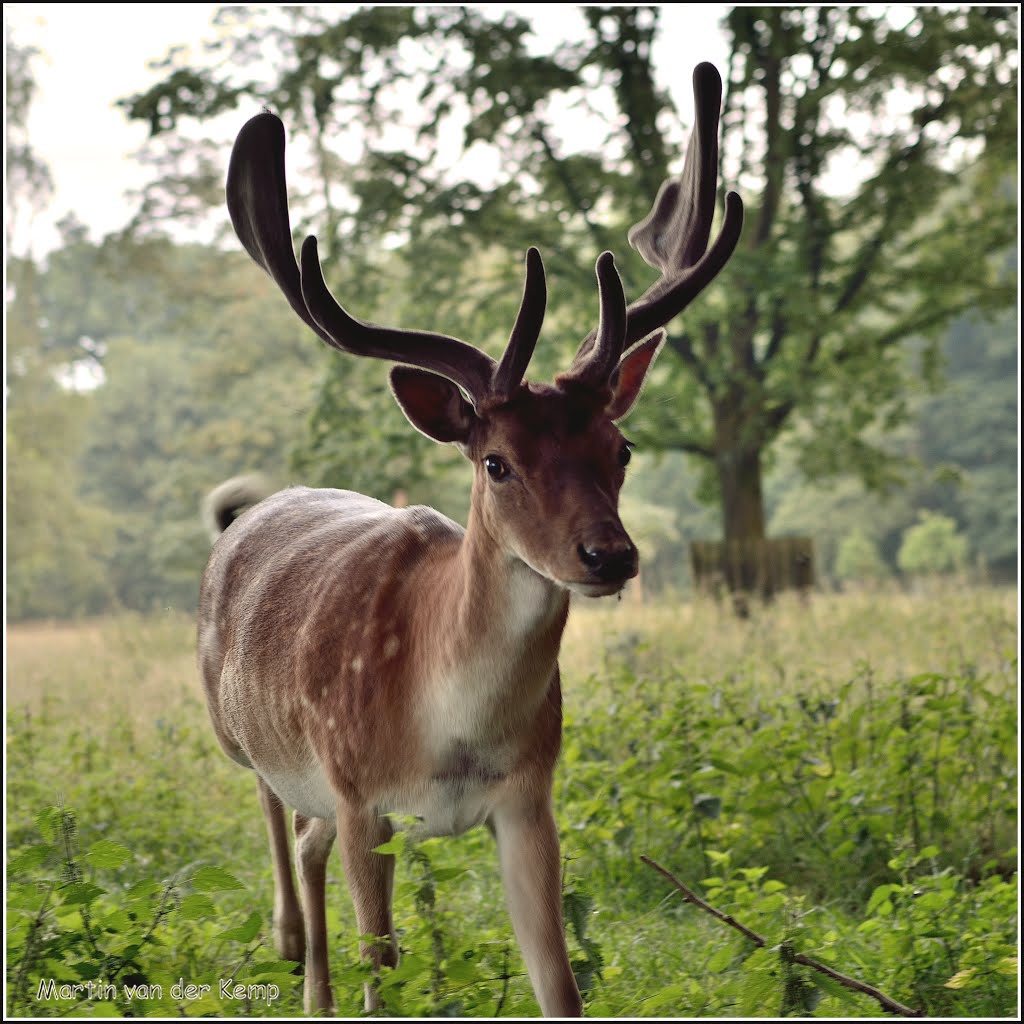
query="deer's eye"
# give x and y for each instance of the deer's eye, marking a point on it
(497, 469)
(625, 453)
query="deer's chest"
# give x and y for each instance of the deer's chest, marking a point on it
(459, 792)
(445, 804)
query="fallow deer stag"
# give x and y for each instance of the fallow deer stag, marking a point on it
(368, 661)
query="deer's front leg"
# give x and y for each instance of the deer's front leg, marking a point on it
(313, 840)
(370, 878)
(531, 870)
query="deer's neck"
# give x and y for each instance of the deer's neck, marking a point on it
(502, 624)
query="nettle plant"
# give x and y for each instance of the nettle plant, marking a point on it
(85, 930)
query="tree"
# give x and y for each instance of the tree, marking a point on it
(960, 451)
(858, 558)
(28, 181)
(199, 373)
(830, 286)
(932, 546)
(968, 433)
(802, 336)
(56, 544)
(214, 383)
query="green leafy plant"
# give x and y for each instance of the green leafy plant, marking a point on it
(846, 770)
(858, 558)
(82, 933)
(934, 545)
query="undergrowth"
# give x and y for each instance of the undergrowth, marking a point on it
(860, 811)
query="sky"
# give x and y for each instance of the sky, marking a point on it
(84, 66)
(93, 54)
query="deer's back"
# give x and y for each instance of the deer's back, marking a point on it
(301, 630)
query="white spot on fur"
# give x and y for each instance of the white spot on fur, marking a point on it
(330, 723)
(391, 646)
(357, 665)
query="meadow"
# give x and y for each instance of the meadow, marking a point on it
(837, 774)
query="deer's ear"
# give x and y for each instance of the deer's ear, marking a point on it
(432, 404)
(628, 380)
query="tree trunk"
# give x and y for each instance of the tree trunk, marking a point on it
(739, 478)
(746, 562)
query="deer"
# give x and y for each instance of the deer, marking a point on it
(368, 662)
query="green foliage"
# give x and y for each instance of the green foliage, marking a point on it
(945, 936)
(141, 372)
(56, 543)
(863, 816)
(359, 440)
(93, 932)
(969, 431)
(196, 371)
(805, 332)
(932, 546)
(858, 558)
(935, 933)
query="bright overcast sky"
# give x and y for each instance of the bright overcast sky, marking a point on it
(94, 54)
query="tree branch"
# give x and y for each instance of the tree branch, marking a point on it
(862, 271)
(774, 161)
(799, 958)
(691, 448)
(935, 315)
(775, 417)
(569, 185)
(683, 347)
(778, 334)
(808, 155)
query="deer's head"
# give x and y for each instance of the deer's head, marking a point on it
(549, 460)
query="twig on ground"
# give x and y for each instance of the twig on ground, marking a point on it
(851, 983)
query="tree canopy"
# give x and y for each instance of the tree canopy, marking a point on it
(872, 148)
(873, 156)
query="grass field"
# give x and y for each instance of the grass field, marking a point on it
(840, 775)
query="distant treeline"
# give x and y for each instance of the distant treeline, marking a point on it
(141, 373)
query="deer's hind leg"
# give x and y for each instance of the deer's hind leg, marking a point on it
(289, 932)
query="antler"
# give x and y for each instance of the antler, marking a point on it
(609, 338)
(257, 201)
(673, 238)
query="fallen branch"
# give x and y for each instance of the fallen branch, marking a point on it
(798, 958)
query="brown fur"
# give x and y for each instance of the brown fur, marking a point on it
(341, 637)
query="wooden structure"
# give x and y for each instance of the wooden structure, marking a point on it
(760, 567)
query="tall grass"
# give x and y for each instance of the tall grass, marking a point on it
(838, 773)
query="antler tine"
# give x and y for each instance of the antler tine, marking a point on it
(257, 201)
(674, 235)
(597, 365)
(671, 295)
(470, 368)
(526, 331)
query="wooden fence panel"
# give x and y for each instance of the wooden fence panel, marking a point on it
(762, 567)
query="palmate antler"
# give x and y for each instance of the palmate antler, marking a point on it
(258, 205)
(673, 238)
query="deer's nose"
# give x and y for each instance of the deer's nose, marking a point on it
(609, 561)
